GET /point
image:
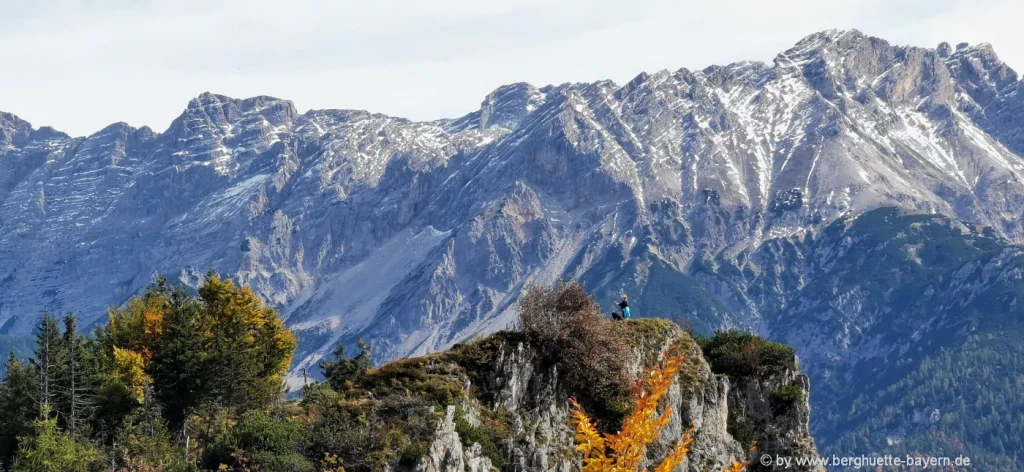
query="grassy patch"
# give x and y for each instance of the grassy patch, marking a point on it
(429, 378)
(648, 334)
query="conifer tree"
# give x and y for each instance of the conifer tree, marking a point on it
(223, 347)
(49, 356)
(343, 370)
(73, 389)
(17, 406)
(143, 442)
(180, 366)
(364, 360)
(49, 449)
(250, 348)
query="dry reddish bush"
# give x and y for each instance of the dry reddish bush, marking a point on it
(751, 353)
(566, 326)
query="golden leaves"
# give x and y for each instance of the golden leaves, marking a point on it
(741, 466)
(331, 463)
(130, 370)
(589, 441)
(625, 450)
(239, 312)
(736, 466)
(678, 454)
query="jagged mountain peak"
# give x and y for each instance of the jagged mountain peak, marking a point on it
(829, 42)
(508, 105)
(221, 109)
(14, 131)
(852, 47)
(207, 99)
(504, 108)
(119, 126)
(49, 133)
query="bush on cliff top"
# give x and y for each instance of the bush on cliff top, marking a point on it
(566, 327)
(741, 355)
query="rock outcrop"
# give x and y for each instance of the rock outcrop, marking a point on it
(535, 407)
(448, 454)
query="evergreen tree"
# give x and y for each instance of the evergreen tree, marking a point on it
(73, 389)
(144, 443)
(364, 360)
(250, 349)
(49, 449)
(48, 358)
(181, 366)
(223, 347)
(342, 371)
(18, 406)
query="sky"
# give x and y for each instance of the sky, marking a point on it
(80, 65)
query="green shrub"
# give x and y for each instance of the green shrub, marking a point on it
(741, 355)
(369, 435)
(486, 435)
(740, 429)
(267, 443)
(411, 454)
(786, 396)
(428, 377)
(341, 372)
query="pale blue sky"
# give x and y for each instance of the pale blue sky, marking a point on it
(79, 65)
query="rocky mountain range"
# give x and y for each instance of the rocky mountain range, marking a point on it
(853, 198)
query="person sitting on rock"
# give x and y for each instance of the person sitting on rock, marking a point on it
(624, 305)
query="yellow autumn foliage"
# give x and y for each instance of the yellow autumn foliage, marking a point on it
(625, 450)
(222, 344)
(238, 314)
(736, 467)
(130, 370)
(139, 324)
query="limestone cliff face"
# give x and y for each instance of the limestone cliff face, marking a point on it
(448, 453)
(782, 430)
(535, 406)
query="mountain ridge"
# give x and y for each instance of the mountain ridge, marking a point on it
(486, 132)
(415, 235)
(770, 197)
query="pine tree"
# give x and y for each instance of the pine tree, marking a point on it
(181, 365)
(49, 449)
(74, 392)
(224, 346)
(18, 406)
(143, 442)
(364, 360)
(49, 356)
(343, 370)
